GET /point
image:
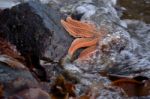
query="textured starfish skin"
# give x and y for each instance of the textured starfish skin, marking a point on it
(76, 30)
(81, 42)
(87, 51)
(86, 35)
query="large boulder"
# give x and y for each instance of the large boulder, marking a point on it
(36, 31)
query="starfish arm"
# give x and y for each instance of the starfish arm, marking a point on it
(86, 52)
(80, 43)
(80, 24)
(77, 31)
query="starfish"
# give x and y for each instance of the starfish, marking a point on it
(86, 35)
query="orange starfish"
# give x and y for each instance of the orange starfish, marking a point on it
(86, 35)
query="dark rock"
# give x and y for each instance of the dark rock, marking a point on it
(15, 79)
(36, 31)
(32, 93)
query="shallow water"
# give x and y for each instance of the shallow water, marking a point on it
(136, 9)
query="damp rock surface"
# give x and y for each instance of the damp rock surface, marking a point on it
(36, 30)
(121, 57)
(15, 79)
(119, 52)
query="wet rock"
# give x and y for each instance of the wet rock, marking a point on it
(7, 4)
(52, 70)
(100, 91)
(111, 93)
(15, 79)
(10, 50)
(120, 52)
(14, 74)
(36, 31)
(32, 93)
(117, 50)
